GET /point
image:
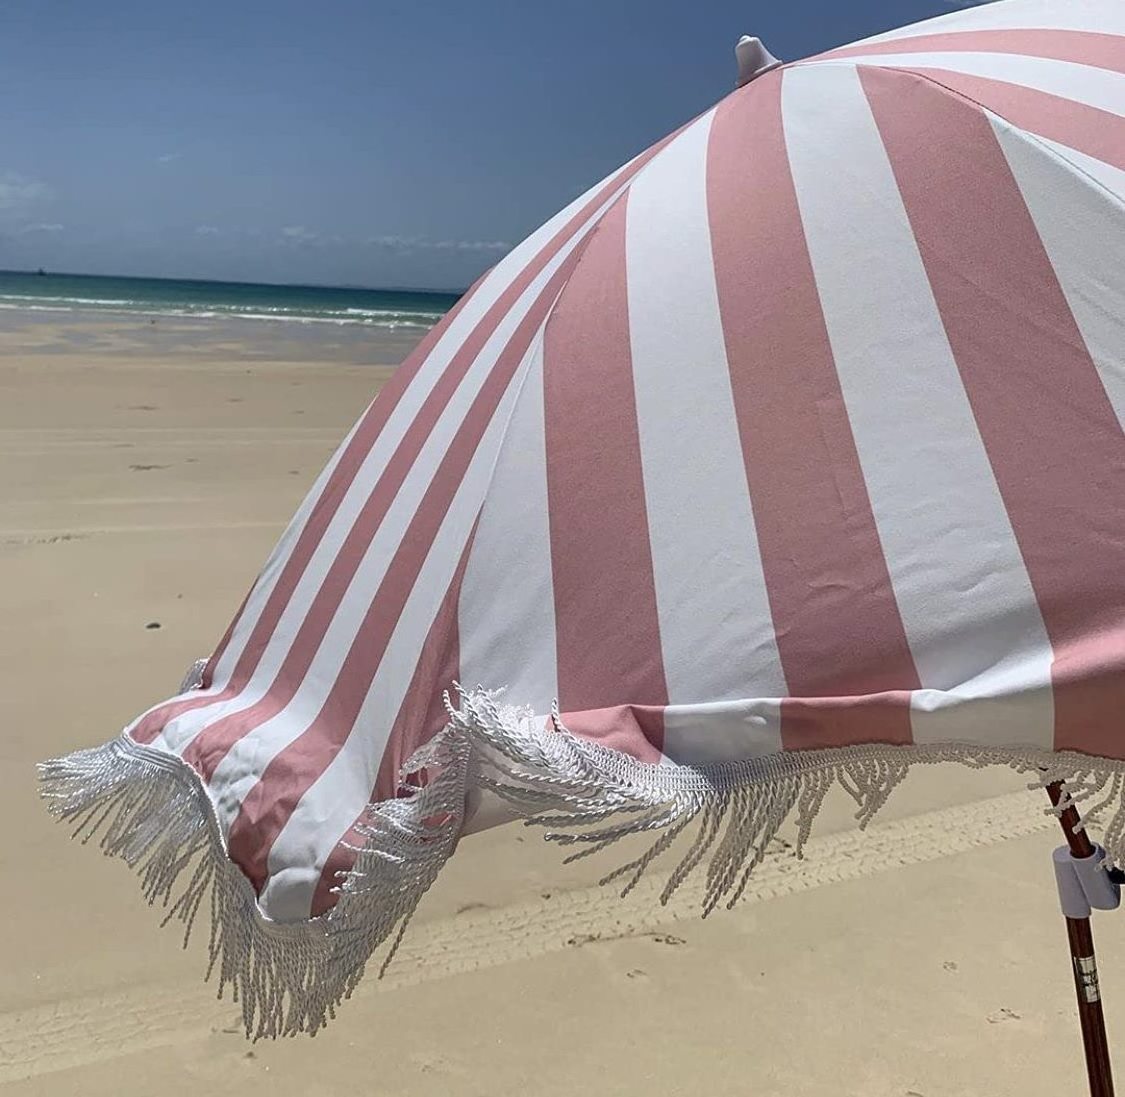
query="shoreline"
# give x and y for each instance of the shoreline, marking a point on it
(61, 296)
(220, 338)
(60, 311)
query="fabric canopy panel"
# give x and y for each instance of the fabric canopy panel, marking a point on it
(791, 451)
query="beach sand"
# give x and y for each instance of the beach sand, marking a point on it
(146, 471)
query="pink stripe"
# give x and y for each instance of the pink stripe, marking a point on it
(268, 805)
(1097, 133)
(608, 632)
(322, 514)
(212, 745)
(371, 426)
(208, 674)
(1103, 51)
(209, 748)
(1051, 433)
(423, 713)
(839, 632)
(220, 742)
(631, 729)
(420, 717)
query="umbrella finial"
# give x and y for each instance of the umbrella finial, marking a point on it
(753, 59)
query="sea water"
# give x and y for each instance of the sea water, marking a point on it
(389, 309)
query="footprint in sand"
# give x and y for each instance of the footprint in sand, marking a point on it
(591, 938)
(1002, 1015)
(103, 1027)
(48, 539)
(471, 906)
(147, 468)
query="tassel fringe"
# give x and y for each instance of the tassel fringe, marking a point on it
(150, 809)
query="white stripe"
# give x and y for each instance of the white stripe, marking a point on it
(967, 604)
(1106, 16)
(234, 776)
(263, 585)
(1106, 175)
(1084, 84)
(506, 615)
(725, 731)
(1081, 228)
(334, 801)
(490, 289)
(179, 733)
(715, 626)
(243, 764)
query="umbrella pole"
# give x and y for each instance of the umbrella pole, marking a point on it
(1082, 952)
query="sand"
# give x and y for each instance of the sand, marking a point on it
(145, 473)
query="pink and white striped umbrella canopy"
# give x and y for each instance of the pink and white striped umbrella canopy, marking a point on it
(791, 451)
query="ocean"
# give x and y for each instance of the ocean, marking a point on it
(388, 309)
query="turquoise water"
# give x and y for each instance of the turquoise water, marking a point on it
(389, 309)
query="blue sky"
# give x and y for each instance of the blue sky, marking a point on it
(372, 142)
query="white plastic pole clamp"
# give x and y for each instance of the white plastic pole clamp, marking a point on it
(1084, 884)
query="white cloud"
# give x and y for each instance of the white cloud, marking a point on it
(418, 243)
(401, 242)
(42, 227)
(307, 238)
(168, 157)
(16, 192)
(206, 230)
(299, 234)
(471, 245)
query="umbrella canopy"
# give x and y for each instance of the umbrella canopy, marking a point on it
(790, 453)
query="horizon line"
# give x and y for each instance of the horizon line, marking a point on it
(239, 282)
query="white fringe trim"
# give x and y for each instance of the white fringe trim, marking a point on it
(152, 810)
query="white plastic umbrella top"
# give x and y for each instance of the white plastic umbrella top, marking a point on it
(753, 59)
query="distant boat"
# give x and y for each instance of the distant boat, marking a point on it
(41, 271)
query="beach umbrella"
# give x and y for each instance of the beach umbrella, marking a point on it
(789, 455)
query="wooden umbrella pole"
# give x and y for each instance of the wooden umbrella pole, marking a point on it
(1084, 964)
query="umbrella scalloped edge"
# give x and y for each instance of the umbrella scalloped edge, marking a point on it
(152, 810)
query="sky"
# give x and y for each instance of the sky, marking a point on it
(350, 142)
